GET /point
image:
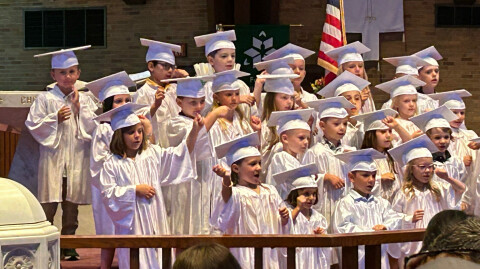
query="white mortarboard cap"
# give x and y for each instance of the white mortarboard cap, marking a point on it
(122, 116)
(290, 120)
(279, 81)
(298, 178)
(345, 82)
(276, 66)
(239, 148)
(451, 99)
(373, 120)
(289, 50)
(160, 51)
(475, 140)
(225, 80)
(361, 160)
(334, 107)
(429, 55)
(190, 86)
(420, 147)
(111, 85)
(63, 58)
(348, 53)
(216, 41)
(400, 86)
(437, 118)
(406, 64)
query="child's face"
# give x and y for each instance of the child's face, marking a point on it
(334, 128)
(133, 137)
(224, 60)
(363, 181)
(384, 138)
(310, 194)
(284, 102)
(298, 67)
(161, 71)
(422, 169)
(191, 106)
(460, 113)
(66, 77)
(121, 99)
(406, 105)
(430, 75)
(355, 98)
(248, 170)
(228, 98)
(296, 140)
(356, 68)
(440, 138)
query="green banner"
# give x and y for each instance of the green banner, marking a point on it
(256, 41)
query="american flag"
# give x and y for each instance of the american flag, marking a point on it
(333, 36)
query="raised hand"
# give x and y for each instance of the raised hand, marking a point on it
(64, 114)
(144, 190)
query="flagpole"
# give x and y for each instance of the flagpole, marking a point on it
(342, 16)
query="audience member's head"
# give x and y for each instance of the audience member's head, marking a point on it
(461, 240)
(206, 256)
(441, 222)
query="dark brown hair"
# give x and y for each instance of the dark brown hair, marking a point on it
(206, 256)
(117, 145)
(370, 141)
(443, 129)
(293, 195)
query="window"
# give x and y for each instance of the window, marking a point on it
(457, 16)
(64, 28)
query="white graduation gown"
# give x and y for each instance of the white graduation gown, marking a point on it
(281, 162)
(455, 169)
(387, 188)
(136, 215)
(424, 103)
(188, 204)
(307, 258)
(250, 213)
(354, 135)
(64, 147)
(355, 214)
(168, 109)
(405, 203)
(267, 153)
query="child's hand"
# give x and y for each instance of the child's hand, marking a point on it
(335, 181)
(260, 81)
(441, 173)
(147, 126)
(379, 227)
(465, 207)
(198, 123)
(75, 100)
(220, 171)
(222, 111)
(390, 122)
(179, 73)
(247, 99)
(256, 123)
(416, 134)
(319, 230)
(301, 201)
(298, 99)
(474, 145)
(388, 177)
(417, 215)
(159, 96)
(144, 190)
(284, 215)
(467, 160)
(64, 114)
(365, 94)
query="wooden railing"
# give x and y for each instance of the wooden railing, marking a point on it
(348, 242)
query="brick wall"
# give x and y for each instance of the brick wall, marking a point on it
(460, 47)
(163, 20)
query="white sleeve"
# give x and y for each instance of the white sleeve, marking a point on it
(43, 125)
(175, 164)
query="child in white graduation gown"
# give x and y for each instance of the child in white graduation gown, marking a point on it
(294, 133)
(160, 96)
(349, 58)
(249, 206)
(359, 210)
(422, 195)
(304, 219)
(132, 177)
(349, 86)
(60, 120)
(220, 54)
(189, 203)
(379, 126)
(408, 65)
(332, 171)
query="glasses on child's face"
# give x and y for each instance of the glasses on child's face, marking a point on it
(412, 261)
(167, 66)
(424, 168)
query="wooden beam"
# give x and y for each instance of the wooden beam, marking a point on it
(373, 256)
(350, 257)
(134, 258)
(258, 258)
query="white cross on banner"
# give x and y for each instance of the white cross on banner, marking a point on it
(372, 17)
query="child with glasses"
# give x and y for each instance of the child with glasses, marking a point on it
(422, 195)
